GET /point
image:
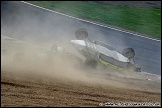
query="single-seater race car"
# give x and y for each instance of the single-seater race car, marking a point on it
(97, 53)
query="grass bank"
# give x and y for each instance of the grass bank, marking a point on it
(143, 20)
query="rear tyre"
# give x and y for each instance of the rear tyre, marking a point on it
(81, 34)
(129, 53)
(90, 63)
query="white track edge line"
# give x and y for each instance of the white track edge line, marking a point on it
(90, 21)
(22, 41)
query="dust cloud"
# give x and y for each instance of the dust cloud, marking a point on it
(31, 66)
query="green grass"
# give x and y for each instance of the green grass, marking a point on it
(143, 20)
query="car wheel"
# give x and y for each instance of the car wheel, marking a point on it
(129, 53)
(81, 34)
(91, 63)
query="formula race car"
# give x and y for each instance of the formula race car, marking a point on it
(98, 53)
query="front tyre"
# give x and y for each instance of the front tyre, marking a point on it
(90, 63)
(129, 53)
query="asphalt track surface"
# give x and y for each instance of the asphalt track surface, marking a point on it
(148, 51)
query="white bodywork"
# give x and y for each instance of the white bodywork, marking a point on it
(98, 48)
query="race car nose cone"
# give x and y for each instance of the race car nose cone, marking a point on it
(79, 42)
